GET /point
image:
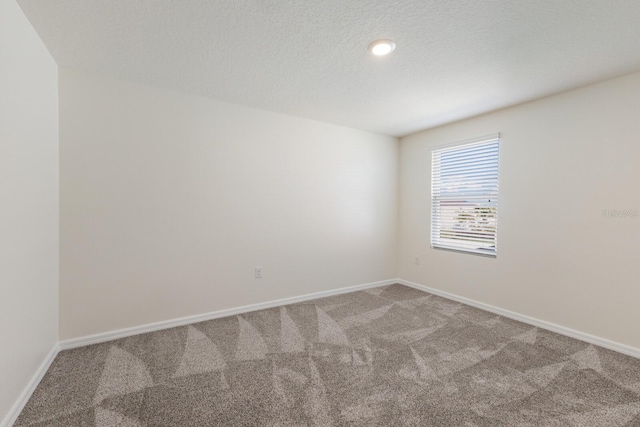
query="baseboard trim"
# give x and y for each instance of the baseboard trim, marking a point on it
(24, 397)
(165, 324)
(562, 330)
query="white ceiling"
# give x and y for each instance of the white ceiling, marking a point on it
(454, 59)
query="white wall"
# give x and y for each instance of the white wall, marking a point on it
(28, 203)
(564, 160)
(169, 201)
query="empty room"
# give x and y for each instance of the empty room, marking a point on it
(305, 213)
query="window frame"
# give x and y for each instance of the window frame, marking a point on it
(484, 213)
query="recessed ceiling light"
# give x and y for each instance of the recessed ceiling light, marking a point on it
(381, 47)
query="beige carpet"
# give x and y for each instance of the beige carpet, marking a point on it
(386, 356)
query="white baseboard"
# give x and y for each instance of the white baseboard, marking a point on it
(165, 324)
(562, 330)
(151, 327)
(22, 400)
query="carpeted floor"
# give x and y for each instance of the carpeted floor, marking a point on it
(386, 356)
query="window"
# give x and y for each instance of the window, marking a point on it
(464, 196)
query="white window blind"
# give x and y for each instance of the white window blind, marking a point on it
(464, 196)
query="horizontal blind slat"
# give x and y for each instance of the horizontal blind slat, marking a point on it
(477, 158)
(453, 153)
(466, 168)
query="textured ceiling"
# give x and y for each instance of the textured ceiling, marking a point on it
(454, 59)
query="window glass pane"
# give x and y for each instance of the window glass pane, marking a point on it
(464, 196)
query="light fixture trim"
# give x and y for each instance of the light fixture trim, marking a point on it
(382, 47)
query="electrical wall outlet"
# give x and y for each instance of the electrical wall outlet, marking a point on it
(258, 272)
(416, 260)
